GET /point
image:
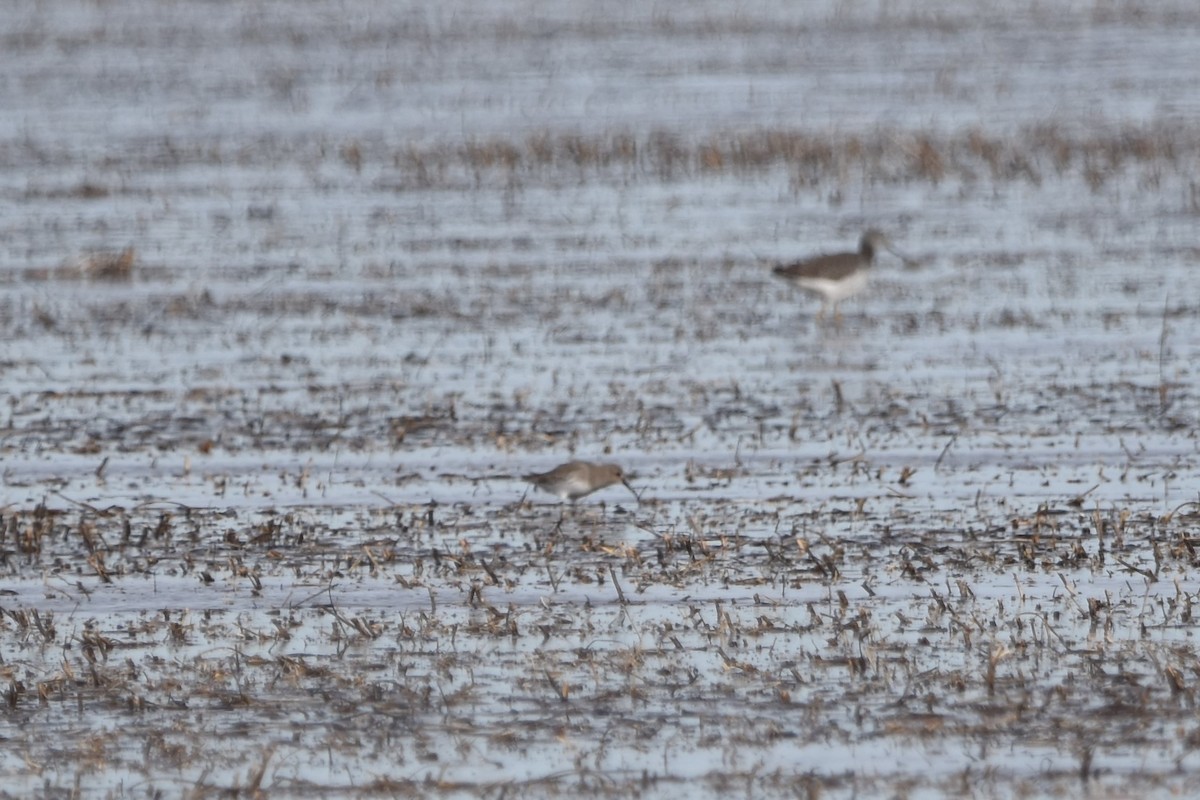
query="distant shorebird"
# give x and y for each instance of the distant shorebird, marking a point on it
(839, 275)
(575, 479)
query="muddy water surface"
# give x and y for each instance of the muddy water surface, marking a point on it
(261, 516)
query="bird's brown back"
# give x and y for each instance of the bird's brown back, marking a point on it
(831, 267)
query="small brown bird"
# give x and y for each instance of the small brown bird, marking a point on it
(575, 479)
(839, 275)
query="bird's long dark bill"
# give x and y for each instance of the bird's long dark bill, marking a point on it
(908, 262)
(630, 488)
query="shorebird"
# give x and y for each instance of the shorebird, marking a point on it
(575, 479)
(839, 275)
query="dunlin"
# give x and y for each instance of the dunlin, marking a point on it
(839, 275)
(575, 479)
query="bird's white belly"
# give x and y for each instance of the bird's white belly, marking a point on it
(574, 487)
(832, 290)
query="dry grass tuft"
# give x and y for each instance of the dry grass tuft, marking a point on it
(110, 266)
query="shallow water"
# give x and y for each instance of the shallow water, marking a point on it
(262, 519)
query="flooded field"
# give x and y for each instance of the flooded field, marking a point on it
(292, 295)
